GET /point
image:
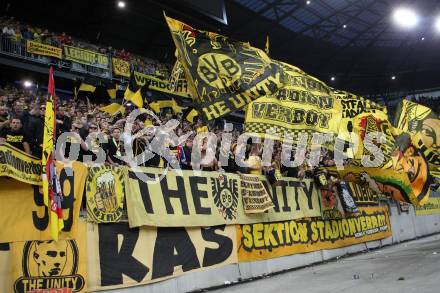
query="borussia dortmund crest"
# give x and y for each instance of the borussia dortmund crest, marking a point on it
(225, 192)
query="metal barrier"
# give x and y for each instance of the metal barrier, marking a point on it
(17, 48)
(89, 69)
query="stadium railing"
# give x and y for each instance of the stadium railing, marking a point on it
(17, 49)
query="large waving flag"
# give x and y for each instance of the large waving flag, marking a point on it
(223, 75)
(51, 188)
(423, 125)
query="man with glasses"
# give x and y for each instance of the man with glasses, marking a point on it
(93, 142)
(74, 138)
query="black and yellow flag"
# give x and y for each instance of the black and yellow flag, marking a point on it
(112, 90)
(137, 98)
(97, 91)
(353, 105)
(85, 87)
(223, 75)
(303, 105)
(132, 87)
(423, 125)
(361, 117)
(159, 104)
(267, 46)
(113, 109)
(133, 92)
(190, 115)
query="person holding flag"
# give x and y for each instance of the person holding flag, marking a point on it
(52, 194)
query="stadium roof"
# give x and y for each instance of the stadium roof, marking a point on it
(362, 56)
(346, 22)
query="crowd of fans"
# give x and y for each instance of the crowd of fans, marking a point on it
(22, 119)
(18, 32)
(22, 126)
(430, 102)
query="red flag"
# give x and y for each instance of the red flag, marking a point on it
(51, 194)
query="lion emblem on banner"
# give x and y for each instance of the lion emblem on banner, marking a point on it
(225, 192)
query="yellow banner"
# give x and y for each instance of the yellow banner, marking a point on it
(430, 208)
(189, 198)
(122, 257)
(23, 215)
(43, 49)
(178, 88)
(293, 117)
(105, 193)
(121, 67)
(304, 104)
(40, 265)
(19, 165)
(86, 57)
(353, 105)
(270, 240)
(5, 268)
(360, 117)
(366, 124)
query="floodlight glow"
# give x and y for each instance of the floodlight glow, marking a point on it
(332, 78)
(308, 2)
(437, 24)
(344, 26)
(393, 77)
(27, 83)
(121, 4)
(405, 17)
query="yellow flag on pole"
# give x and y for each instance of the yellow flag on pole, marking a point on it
(113, 109)
(51, 187)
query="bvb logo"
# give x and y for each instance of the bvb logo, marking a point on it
(225, 193)
(104, 194)
(218, 70)
(49, 265)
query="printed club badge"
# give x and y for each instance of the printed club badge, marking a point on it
(105, 194)
(50, 265)
(225, 192)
